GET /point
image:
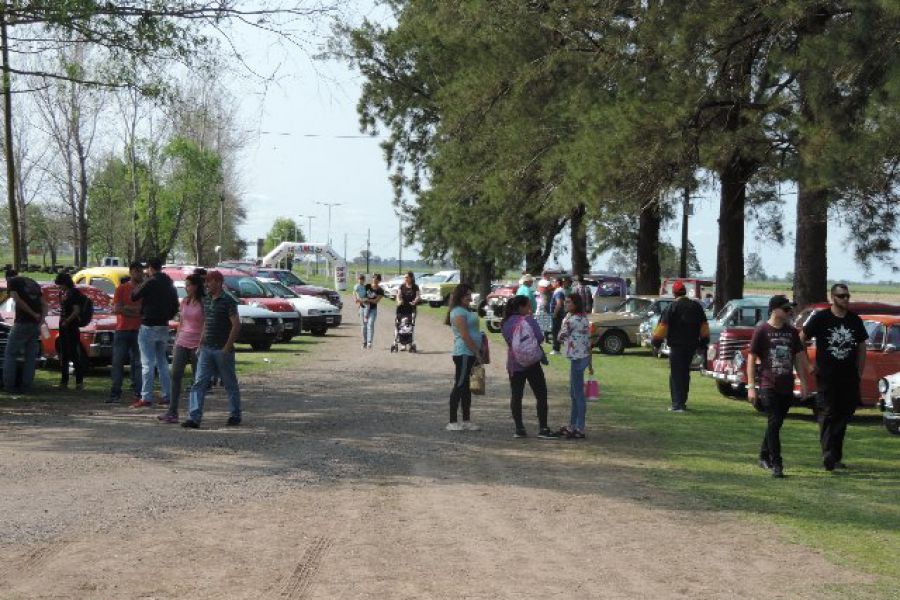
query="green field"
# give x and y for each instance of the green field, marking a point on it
(707, 460)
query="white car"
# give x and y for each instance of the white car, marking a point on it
(436, 289)
(316, 314)
(889, 390)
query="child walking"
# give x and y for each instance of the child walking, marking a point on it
(574, 333)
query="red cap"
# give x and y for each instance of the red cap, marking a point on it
(217, 275)
(678, 288)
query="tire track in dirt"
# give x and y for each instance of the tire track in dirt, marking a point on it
(302, 579)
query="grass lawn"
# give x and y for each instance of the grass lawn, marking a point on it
(707, 459)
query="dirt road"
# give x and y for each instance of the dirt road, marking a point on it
(342, 483)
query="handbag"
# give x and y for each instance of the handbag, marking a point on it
(592, 389)
(485, 350)
(476, 380)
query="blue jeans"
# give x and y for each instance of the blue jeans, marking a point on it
(153, 342)
(23, 337)
(362, 321)
(576, 392)
(209, 362)
(369, 332)
(125, 344)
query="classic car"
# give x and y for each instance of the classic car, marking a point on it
(103, 278)
(316, 315)
(619, 328)
(96, 337)
(733, 344)
(290, 279)
(391, 285)
(495, 304)
(248, 290)
(889, 403)
(436, 289)
(609, 292)
(260, 328)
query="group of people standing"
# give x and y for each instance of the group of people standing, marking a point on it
(525, 358)
(144, 304)
(367, 297)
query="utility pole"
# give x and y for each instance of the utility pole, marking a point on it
(221, 223)
(330, 205)
(368, 248)
(685, 213)
(400, 253)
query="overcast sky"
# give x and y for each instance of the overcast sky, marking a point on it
(301, 157)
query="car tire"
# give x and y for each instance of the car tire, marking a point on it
(613, 343)
(893, 427)
(492, 327)
(263, 346)
(725, 389)
(319, 331)
(434, 304)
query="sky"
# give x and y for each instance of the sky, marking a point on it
(308, 149)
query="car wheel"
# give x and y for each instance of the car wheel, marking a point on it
(287, 338)
(725, 389)
(893, 427)
(613, 343)
(492, 327)
(434, 304)
(261, 346)
(319, 331)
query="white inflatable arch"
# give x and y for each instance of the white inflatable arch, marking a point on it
(324, 250)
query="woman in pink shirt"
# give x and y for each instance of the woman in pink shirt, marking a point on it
(190, 330)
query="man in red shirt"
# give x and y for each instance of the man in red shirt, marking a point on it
(125, 342)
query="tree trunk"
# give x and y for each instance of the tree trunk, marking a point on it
(811, 248)
(8, 150)
(578, 227)
(539, 237)
(730, 251)
(648, 269)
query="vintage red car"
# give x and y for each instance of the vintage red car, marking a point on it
(96, 337)
(882, 357)
(735, 341)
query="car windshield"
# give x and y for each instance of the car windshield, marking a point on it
(726, 310)
(246, 287)
(436, 279)
(633, 305)
(279, 289)
(893, 336)
(609, 289)
(285, 277)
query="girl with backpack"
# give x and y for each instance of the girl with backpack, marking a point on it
(574, 333)
(466, 354)
(523, 335)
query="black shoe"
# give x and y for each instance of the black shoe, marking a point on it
(520, 433)
(233, 421)
(677, 409)
(829, 464)
(546, 434)
(112, 400)
(840, 465)
(765, 464)
(190, 424)
(778, 471)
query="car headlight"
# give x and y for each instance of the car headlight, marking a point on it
(738, 360)
(314, 312)
(247, 320)
(711, 353)
(883, 386)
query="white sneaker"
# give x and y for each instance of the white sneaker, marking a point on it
(454, 427)
(554, 353)
(470, 426)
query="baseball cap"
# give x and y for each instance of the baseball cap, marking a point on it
(217, 275)
(678, 288)
(780, 301)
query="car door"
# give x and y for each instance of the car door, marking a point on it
(104, 284)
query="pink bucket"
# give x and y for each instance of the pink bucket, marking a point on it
(592, 389)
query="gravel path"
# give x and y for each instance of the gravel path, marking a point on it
(342, 483)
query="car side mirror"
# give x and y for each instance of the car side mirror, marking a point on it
(890, 348)
(651, 314)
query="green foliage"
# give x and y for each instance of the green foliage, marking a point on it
(283, 230)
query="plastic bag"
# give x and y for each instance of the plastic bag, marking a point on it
(476, 380)
(592, 389)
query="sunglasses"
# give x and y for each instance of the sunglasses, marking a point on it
(842, 296)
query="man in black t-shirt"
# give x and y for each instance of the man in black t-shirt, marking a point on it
(69, 340)
(840, 359)
(684, 327)
(777, 346)
(25, 333)
(374, 294)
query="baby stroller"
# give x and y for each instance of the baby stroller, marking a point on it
(404, 329)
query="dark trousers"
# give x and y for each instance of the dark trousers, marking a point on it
(557, 325)
(777, 406)
(837, 399)
(181, 358)
(534, 375)
(70, 352)
(680, 358)
(461, 394)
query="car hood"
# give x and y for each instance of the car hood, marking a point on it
(245, 310)
(616, 318)
(309, 290)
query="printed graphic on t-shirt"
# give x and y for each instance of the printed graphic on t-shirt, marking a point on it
(840, 342)
(780, 359)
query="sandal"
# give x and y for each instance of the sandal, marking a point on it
(565, 431)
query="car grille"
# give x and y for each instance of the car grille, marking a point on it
(728, 348)
(4, 336)
(428, 289)
(895, 401)
(266, 321)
